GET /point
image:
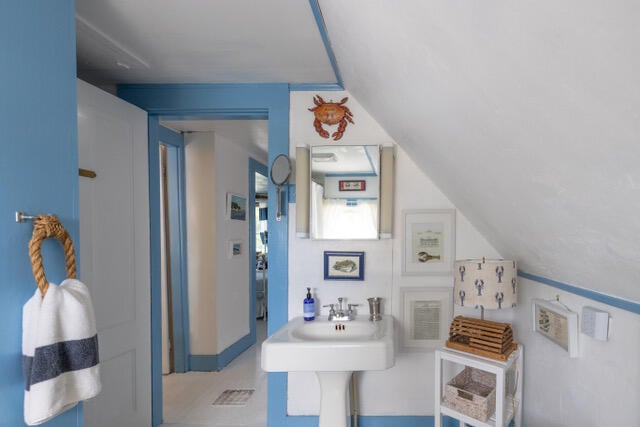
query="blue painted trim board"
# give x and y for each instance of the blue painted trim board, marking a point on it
(201, 100)
(373, 168)
(155, 273)
(254, 167)
(174, 144)
(350, 175)
(292, 193)
(215, 362)
(620, 303)
(170, 137)
(322, 28)
(315, 87)
(38, 169)
(224, 101)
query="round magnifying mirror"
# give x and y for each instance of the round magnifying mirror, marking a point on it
(280, 171)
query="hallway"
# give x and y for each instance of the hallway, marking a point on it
(188, 398)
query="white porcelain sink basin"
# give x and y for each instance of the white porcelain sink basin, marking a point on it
(320, 345)
(333, 350)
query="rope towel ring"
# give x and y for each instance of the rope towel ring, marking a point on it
(45, 226)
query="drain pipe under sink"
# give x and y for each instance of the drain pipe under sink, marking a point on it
(354, 400)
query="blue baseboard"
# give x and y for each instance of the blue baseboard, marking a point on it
(375, 421)
(215, 362)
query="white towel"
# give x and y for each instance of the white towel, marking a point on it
(59, 351)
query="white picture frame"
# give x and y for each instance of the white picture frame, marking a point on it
(556, 323)
(426, 315)
(235, 248)
(429, 245)
(236, 207)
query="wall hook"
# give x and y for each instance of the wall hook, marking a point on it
(23, 217)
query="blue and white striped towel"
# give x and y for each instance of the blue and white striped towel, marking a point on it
(59, 351)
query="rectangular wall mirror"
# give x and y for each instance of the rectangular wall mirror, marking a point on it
(344, 192)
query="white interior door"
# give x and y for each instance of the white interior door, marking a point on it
(114, 253)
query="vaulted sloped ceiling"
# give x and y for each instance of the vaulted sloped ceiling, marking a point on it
(526, 114)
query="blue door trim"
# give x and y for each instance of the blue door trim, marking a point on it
(155, 273)
(178, 248)
(217, 101)
(254, 167)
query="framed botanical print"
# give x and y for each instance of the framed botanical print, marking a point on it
(429, 242)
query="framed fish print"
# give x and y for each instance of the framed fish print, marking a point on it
(429, 242)
(343, 265)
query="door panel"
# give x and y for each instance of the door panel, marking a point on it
(114, 263)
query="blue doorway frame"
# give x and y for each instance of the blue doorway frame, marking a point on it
(174, 142)
(218, 101)
(254, 167)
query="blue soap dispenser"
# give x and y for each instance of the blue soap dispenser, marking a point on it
(309, 307)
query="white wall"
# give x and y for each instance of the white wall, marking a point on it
(600, 388)
(232, 275)
(524, 113)
(200, 181)
(218, 285)
(407, 388)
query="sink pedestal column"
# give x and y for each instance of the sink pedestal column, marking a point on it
(333, 398)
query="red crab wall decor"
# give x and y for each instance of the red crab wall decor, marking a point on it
(331, 113)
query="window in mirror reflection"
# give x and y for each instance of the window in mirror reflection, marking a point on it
(344, 192)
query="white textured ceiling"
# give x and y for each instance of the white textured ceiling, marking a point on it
(252, 135)
(198, 41)
(526, 114)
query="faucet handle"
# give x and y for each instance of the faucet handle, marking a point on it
(331, 309)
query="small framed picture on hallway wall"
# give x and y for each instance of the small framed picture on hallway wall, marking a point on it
(236, 207)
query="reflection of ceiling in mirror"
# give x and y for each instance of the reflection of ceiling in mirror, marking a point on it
(345, 159)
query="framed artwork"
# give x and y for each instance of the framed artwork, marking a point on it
(236, 207)
(352, 185)
(343, 265)
(557, 323)
(429, 242)
(235, 248)
(426, 314)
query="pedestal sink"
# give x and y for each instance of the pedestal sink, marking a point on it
(333, 350)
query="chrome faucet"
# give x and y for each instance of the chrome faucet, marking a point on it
(341, 315)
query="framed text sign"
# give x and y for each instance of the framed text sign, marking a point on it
(557, 323)
(352, 185)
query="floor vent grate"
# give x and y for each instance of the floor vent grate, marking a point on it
(234, 397)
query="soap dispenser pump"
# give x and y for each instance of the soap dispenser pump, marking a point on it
(309, 307)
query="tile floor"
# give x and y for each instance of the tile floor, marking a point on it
(188, 397)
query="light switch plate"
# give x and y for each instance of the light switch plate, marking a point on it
(595, 323)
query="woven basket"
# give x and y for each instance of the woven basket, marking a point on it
(473, 393)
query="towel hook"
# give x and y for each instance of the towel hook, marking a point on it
(23, 217)
(45, 226)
